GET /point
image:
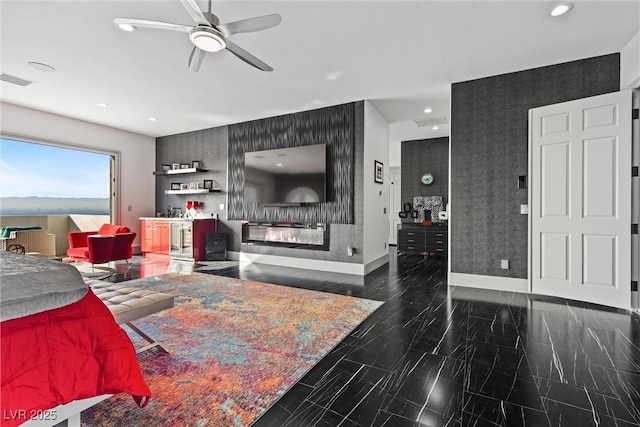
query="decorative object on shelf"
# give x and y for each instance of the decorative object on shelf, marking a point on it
(196, 164)
(185, 165)
(193, 186)
(166, 168)
(175, 185)
(207, 184)
(427, 217)
(427, 179)
(175, 166)
(406, 210)
(200, 185)
(184, 186)
(378, 172)
(421, 204)
(414, 214)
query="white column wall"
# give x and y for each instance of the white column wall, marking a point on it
(376, 196)
(630, 64)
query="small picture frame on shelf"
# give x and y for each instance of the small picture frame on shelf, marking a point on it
(196, 164)
(207, 184)
(166, 168)
(184, 186)
(175, 166)
(175, 185)
(193, 186)
(185, 165)
(200, 185)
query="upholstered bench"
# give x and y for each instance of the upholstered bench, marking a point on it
(129, 304)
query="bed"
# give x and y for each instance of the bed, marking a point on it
(60, 344)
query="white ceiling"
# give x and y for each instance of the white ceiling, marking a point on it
(402, 56)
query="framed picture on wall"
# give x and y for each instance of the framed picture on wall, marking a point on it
(378, 172)
(175, 185)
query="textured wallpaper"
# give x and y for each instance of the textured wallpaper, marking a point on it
(333, 126)
(489, 149)
(419, 157)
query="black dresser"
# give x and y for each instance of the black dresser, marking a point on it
(423, 239)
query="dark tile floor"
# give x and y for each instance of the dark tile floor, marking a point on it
(439, 356)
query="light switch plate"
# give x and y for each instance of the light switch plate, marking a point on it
(221, 206)
(504, 264)
(524, 209)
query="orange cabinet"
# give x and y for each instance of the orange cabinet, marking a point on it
(155, 236)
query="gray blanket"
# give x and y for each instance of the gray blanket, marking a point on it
(29, 285)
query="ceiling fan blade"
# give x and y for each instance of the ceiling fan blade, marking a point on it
(250, 25)
(247, 57)
(192, 8)
(152, 24)
(195, 59)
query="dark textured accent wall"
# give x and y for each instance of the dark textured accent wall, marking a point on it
(489, 149)
(419, 157)
(209, 146)
(333, 126)
(341, 235)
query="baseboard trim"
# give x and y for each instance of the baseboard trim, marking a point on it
(495, 283)
(309, 264)
(376, 263)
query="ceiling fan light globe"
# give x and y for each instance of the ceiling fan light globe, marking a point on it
(207, 39)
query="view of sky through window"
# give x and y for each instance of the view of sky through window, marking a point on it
(29, 170)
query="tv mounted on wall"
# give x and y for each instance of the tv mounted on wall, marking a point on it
(288, 176)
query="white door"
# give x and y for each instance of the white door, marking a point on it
(580, 208)
(395, 204)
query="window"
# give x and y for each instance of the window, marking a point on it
(40, 179)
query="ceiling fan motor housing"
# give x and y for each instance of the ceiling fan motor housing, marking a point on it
(207, 38)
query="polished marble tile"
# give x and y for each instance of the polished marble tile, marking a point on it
(435, 355)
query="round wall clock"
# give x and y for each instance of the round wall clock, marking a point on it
(427, 179)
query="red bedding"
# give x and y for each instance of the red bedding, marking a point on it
(69, 353)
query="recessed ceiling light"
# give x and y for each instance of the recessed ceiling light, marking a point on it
(153, 119)
(41, 67)
(428, 110)
(127, 27)
(103, 105)
(560, 9)
(435, 128)
(334, 75)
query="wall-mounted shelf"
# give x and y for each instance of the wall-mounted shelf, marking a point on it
(198, 191)
(179, 171)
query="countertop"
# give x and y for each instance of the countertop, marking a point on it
(164, 218)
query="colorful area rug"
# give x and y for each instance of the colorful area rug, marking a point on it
(235, 347)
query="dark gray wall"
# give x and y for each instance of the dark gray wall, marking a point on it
(489, 149)
(333, 126)
(419, 157)
(341, 235)
(211, 146)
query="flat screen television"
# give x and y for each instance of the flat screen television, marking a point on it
(289, 176)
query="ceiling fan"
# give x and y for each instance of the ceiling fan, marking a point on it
(208, 34)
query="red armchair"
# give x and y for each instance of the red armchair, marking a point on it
(110, 243)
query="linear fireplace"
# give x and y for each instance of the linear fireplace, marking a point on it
(290, 235)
